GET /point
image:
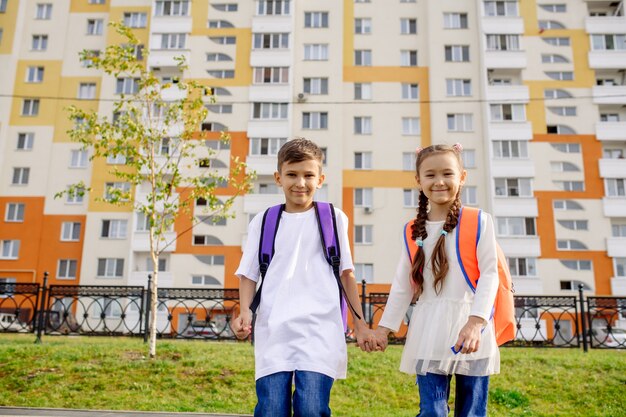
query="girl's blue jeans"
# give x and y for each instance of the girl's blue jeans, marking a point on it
(310, 398)
(470, 395)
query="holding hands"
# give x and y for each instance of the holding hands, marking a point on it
(371, 340)
(242, 325)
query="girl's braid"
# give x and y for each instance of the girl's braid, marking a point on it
(440, 259)
(418, 231)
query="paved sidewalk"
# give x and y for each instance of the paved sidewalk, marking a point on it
(61, 412)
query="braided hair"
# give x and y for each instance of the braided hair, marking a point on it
(418, 228)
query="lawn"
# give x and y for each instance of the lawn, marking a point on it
(194, 375)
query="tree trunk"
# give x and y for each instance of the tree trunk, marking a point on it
(153, 305)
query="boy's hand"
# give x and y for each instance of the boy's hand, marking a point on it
(381, 336)
(469, 336)
(365, 338)
(242, 325)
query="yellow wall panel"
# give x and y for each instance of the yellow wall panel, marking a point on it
(46, 91)
(378, 179)
(83, 6)
(69, 89)
(7, 23)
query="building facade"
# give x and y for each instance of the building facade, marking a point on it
(534, 90)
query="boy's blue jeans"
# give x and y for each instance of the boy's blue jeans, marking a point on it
(310, 397)
(470, 395)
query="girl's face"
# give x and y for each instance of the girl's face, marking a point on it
(440, 177)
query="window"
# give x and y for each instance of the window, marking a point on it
(608, 153)
(566, 205)
(25, 141)
(97, 1)
(458, 87)
(507, 112)
(363, 58)
(408, 58)
(66, 269)
(609, 117)
(576, 265)
(206, 240)
(316, 19)
(269, 189)
(220, 108)
(618, 230)
(363, 197)
(116, 191)
(362, 160)
(563, 110)
(219, 24)
(271, 75)
(269, 111)
(266, 146)
(560, 130)
(462, 122)
(363, 234)
(523, 267)
(271, 41)
(410, 125)
(204, 280)
(273, 7)
(114, 229)
(79, 158)
(574, 224)
(362, 26)
(516, 226)
(225, 7)
(615, 187)
(135, 20)
(562, 166)
(118, 159)
(570, 185)
(87, 91)
(14, 212)
(410, 198)
(10, 249)
(567, 147)
(410, 91)
(501, 8)
(455, 20)
(555, 94)
(469, 195)
(362, 125)
(89, 57)
(456, 53)
(172, 8)
(554, 8)
(560, 75)
(550, 24)
(224, 40)
(70, 231)
(513, 187)
(553, 59)
(221, 73)
(3, 6)
(127, 85)
(608, 42)
(364, 272)
(503, 42)
(217, 57)
(30, 107)
(34, 74)
(574, 285)
(75, 196)
(315, 52)
(110, 267)
(173, 40)
(620, 267)
(408, 26)
(20, 176)
(469, 158)
(94, 26)
(408, 161)
(561, 41)
(315, 86)
(570, 244)
(362, 91)
(315, 120)
(39, 43)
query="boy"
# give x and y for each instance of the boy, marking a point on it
(298, 332)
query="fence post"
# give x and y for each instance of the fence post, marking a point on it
(363, 301)
(42, 307)
(583, 324)
(146, 309)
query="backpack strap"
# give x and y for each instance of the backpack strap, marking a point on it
(327, 224)
(269, 228)
(409, 243)
(467, 237)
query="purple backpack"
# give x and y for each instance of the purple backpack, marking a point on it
(327, 224)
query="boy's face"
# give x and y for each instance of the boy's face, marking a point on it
(299, 181)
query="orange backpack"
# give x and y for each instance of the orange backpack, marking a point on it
(467, 237)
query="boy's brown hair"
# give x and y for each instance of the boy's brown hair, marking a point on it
(298, 150)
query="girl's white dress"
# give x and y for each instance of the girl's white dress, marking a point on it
(437, 319)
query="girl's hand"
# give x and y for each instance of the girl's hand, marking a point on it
(242, 325)
(469, 336)
(381, 334)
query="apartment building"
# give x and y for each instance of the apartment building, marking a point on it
(534, 90)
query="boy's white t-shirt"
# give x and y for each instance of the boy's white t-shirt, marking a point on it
(298, 324)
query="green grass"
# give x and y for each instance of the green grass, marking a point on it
(114, 373)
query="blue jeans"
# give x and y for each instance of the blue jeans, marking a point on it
(310, 398)
(470, 395)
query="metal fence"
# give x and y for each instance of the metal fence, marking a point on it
(190, 313)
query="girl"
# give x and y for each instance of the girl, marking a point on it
(449, 332)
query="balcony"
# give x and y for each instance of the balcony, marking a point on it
(271, 58)
(611, 131)
(521, 207)
(618, 286)
(614, 206)
(609, 94)
(616, 247)
(613, 168)
(270, 93)
(512, 168)
(262, 164)
(527, 286)
(510, 131)
(171, 24)
(503, 25)
(165, 58)
(611, 59)
(269, 129)
(505, 59)
(173, 93)
(520, 246)
(255, 203)
(272, 24)
(141, 242)
(605, 24)
(140, 278)
(508, 93)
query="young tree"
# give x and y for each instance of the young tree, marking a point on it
(161, 148)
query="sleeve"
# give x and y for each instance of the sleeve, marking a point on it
(344, 242)
(400, 295)
(488, 266)
(249, 264)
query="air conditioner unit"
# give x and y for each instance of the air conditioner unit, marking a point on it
(368, 210)
(301, 97)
